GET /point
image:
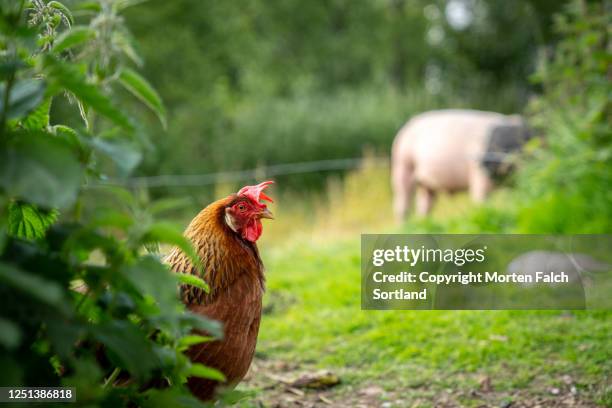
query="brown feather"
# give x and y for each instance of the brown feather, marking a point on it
(234, 271)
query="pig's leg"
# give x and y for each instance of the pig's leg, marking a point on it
(480, 184)
(424, 200)
(403, 187)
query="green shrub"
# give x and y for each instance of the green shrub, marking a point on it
(566, 183)
(82, 305)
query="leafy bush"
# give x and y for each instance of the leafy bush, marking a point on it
(567, 179)
(82, 305)
(563, 181)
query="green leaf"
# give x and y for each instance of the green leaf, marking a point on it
(25, 96)
(9, 67)
(86, 377)
(39, 118)
(64, 130)
(192, 280)
(153, 278)
(193, 339)
(72, 139)
(168, 233)
(200, 370)
(10, 335)
(198, 322)
(62, 9)
(42, 289)
(125, 43)
(27, 221)
(73, 37)
(127, 347)
(124, 154)
(40, 169)
(63, 335)
(139, 87)
(62, 76)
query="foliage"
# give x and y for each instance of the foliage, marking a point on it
(84, 306)
(280, 82)
(564, 178)
(567, 179)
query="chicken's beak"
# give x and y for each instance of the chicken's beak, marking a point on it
(265, 213)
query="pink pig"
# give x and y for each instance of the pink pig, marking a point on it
(451, 150)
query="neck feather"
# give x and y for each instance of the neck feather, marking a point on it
(225, 256)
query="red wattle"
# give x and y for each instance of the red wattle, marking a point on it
(253, 230)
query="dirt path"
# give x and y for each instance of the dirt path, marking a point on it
(282, 384)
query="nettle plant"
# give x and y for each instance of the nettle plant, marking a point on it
(84, 304)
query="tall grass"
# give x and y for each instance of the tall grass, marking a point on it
(305, 127)
(361, 202)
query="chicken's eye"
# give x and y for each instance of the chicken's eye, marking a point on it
(241, 207)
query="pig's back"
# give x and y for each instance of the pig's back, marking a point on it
(445, 144)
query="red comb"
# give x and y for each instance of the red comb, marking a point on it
(256, 193)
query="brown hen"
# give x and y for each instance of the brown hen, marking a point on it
(224, 235)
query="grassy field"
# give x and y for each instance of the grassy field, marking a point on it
(313, 321)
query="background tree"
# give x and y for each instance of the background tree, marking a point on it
(281, 82)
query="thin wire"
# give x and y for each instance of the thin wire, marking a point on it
(193, 180)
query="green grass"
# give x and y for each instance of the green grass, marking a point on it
(314, 320)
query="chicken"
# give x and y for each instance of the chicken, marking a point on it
(224, 235)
